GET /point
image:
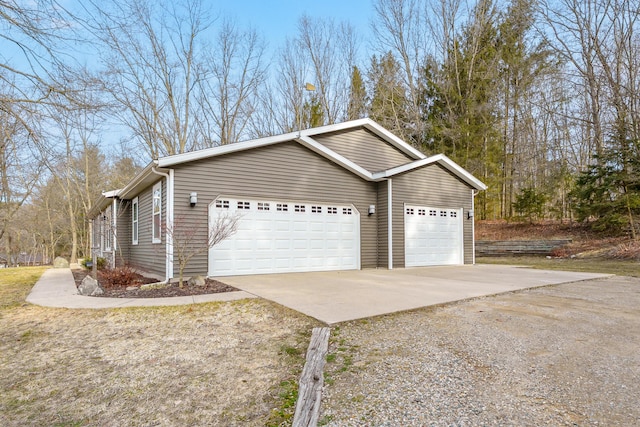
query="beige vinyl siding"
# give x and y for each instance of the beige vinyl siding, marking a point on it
(123, 232)
(285, 171)
(431, 186)
(364, 149)
(382, 212)
(147, 256)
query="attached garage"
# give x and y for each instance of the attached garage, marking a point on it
(285, 237)
(344, 196)
(433, 236)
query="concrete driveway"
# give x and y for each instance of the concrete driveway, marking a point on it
(340, 296)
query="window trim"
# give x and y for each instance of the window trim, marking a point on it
(107, 234)
(157, 188)
(135, 221)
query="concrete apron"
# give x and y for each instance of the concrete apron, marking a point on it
(340, 296)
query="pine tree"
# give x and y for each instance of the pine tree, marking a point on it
(357, 108)
(388, 103)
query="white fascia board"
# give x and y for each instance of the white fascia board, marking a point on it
(255, 143)
(335, 157)
(143, 179)
(224, 149)
(442, 160)
(111, 194)
(394, 140)
(336, 127)
(372, 126)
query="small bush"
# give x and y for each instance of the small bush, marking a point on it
(119, 277)
(101, 263)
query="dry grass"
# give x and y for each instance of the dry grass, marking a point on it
(208, 364)
(15, 284)
(629, 268)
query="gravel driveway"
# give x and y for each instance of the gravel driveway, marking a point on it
(566, 355)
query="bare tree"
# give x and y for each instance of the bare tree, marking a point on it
(400, 27)
(187, 240)
(153, 69)
(230, 92)
(331, 50)
(20, 167)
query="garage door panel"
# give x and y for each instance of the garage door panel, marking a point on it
(286, 237)
(433, 236)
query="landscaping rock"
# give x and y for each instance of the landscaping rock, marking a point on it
(90, 287)
(157, 285)
(197, 281)
(60, 262)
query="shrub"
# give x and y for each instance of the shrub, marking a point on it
(119, 277)
(101, 263)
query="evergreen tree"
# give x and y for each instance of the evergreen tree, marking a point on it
(357, 108)
(609, 191)
(388, 103)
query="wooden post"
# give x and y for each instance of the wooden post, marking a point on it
(311, 380)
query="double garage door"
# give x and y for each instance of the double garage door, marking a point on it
(284, 236)
(433, 236)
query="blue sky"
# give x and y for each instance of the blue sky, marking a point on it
(278, 19)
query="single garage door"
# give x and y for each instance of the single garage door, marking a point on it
(286, 236)
(433, 236)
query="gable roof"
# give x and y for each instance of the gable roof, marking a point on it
(305, 138)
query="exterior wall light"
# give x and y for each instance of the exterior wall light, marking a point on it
(372, 209)
(193, 199)
(469, 214)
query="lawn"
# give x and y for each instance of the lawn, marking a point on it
(587, 265)
(229, 363)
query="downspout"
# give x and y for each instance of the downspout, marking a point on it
(168, 236)
(390, 222)
(114, 231)
(473, 227)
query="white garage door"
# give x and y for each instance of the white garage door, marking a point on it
(282, 237)
(433, 236)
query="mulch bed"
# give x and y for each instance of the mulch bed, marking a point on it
(173, 290)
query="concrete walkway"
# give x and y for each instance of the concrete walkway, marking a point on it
(57, 288)
(340, 296)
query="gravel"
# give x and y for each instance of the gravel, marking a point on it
(563, 355)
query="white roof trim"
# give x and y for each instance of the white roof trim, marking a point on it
(111, 194)
(394, 140)
(335, 157)
(261, 142)
(374, 127)
(442, 160)
(304, 138)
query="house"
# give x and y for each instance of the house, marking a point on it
(340, 197)
(23, 259)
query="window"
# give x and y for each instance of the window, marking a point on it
(282, 207)
(422, 212)
(299, 208)
(263, 206)
(156, 236)
(222, 204)
(453, 214)
(316, 209)
(346, 211)
(107, 235)
(244, 205)
(332, 210)
(432, 212)
(134, 221)
(443, 213)
(410, 211)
